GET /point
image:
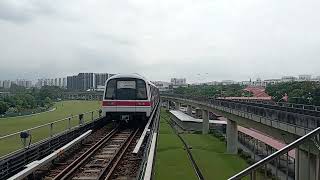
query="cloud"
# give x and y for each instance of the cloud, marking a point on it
(160, 39)
(18, 11)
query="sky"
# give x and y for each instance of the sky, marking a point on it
(201, 40)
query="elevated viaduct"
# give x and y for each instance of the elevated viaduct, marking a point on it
(286, 123)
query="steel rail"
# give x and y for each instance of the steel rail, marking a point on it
(69, 170)
(193, 162)
(123, 149)
(275, 155)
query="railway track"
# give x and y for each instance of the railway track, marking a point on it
(193, 162)
(98, 160)
(128, 165)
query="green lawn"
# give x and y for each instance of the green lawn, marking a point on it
(172, 161)
(63, 110)
(209, 153)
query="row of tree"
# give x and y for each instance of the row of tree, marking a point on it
(213, 90)
(297, 92)
(306, 92)
(21, 99)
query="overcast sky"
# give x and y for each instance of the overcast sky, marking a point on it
(201, 40)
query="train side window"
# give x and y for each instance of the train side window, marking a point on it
(141, 90)
(111, 89)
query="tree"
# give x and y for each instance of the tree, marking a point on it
(213, 90)
(17, 89)
(298, 92)
(47, 102)
(3, 107)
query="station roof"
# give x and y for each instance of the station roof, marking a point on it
(266, 139)
(186, 118)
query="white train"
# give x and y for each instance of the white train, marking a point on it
(128, 97)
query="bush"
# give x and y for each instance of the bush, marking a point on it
(250, 161)
(244, 155)
(3, 107)
(218, 135)
(197, 132)
(12, 110)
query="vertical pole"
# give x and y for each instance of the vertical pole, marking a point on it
(51, 129)
(205, 122)
(296, 164)
(92, 116)
(254, 150)
(189, 110)
(177, 106)
(308, 160)
(198, 113)
(69, 123)
(232, 137)
(80, 119)
(277, 166)
(24, 142)
(305, 164)
(100, 113)
(287, 169)
(254, 174)
(317, 171)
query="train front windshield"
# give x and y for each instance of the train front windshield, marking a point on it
(126, 89)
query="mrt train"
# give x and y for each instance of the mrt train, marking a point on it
(129, 97)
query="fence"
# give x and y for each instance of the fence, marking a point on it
(11, 143)
(281, 104)
(280, 160)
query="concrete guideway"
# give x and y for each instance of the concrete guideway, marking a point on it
(279, 128)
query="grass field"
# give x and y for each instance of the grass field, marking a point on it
(209, 153)
(172, 160)
(63, 110)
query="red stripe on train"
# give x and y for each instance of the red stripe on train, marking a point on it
(126, 103)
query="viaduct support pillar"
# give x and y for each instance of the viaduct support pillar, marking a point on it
(205, 122)
(198, 113)
(306, 168)
(232, 137)
(189, 110)
(177, 105)
(168, 105)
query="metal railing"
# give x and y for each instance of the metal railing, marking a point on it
(15, 162)
(11, 143)
(261, 168)
(281, 104)
(154, 126)
(284, 104)
(304, 120)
